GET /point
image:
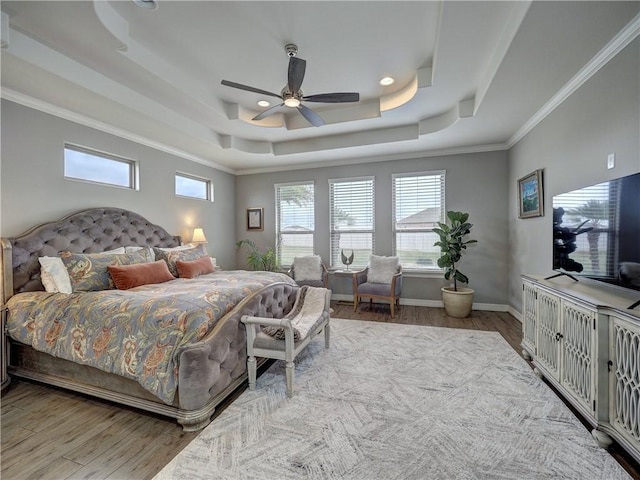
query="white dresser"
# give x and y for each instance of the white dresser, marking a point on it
(583, 339)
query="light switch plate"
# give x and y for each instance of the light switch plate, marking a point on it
(611, 161)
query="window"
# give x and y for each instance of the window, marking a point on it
(193, 187)
(91, 166)
(295, 221)
(351, 220)
(418, 204)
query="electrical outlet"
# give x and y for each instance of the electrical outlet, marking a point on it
(611, 161)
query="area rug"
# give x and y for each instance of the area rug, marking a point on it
(391, 401)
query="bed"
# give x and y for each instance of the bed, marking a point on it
(83, 340)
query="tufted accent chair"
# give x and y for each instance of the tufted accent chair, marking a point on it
(322, 280)
(388, 292)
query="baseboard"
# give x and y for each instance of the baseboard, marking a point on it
(416, 302)
(512, 311)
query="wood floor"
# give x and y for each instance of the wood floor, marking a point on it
(53, 434)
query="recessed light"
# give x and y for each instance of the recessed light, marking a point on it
(263, 103)
(386, 81)
(146, 4)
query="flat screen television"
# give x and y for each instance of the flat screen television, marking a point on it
(596, 232)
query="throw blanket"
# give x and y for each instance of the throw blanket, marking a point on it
(307, 311)
(137, 333)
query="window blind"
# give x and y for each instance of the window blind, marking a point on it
(418, 204)
(351, 211)
(295, 221)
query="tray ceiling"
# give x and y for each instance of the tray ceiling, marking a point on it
(468, 75)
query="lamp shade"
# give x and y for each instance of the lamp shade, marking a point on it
(198, 236)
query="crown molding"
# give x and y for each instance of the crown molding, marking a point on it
(27, 101)
(615, 46)
(443, 152)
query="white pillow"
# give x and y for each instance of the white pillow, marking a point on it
(54, 275)
(307, 268)
(382, 269)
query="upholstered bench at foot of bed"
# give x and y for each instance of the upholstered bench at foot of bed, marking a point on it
(260, 344)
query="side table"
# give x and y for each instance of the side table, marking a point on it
(344, 273)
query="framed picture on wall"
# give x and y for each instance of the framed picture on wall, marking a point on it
(255, 218)
(530, 195)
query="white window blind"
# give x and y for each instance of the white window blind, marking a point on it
(418, 204)
(352, 216)
(295, 221)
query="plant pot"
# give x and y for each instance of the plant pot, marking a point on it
(457, 303)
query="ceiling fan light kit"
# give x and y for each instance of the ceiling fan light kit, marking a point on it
(292, 96)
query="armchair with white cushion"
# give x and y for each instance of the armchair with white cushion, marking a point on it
(381, 280)
(310, 271)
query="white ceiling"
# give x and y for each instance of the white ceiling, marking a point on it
(470, 76)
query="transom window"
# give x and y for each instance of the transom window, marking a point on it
(295, 221)
(91, 166)
(418, 204)
(351, 211)
(193, 187)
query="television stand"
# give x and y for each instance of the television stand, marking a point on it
(583, 339)
(560, 274)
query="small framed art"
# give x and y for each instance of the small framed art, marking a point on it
(255, 219)
(530, 195)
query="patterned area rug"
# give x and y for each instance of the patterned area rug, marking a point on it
(390, 401)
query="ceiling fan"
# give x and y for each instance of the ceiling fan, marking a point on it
(292, 96)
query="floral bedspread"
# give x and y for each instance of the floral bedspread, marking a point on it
(137, 333)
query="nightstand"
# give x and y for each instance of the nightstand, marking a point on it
(4, 359)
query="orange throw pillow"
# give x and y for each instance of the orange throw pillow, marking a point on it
(129, 276)
(194, 268)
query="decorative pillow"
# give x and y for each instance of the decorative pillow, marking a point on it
(54, 275)
(307, 268)
(129, 276)
(188, 246)
(382, 269)
(88, 272)
(132, 249)
(184, 255)
(194, 268)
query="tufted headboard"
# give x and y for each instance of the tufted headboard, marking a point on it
(87, 231)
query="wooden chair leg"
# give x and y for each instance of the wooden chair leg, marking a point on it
(356, 301)
(392, 304)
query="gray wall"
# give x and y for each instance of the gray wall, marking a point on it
(476, 183)
(571, 145)
(34, 189)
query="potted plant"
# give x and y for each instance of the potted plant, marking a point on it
(257, 260)
(457, 300)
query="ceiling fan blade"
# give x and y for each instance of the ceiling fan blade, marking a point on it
(338, 97)
(267, 112)
(227, 83)
(297, 66)
(313, 118)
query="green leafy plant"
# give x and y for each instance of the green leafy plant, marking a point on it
(452, 245)
(258, 260)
